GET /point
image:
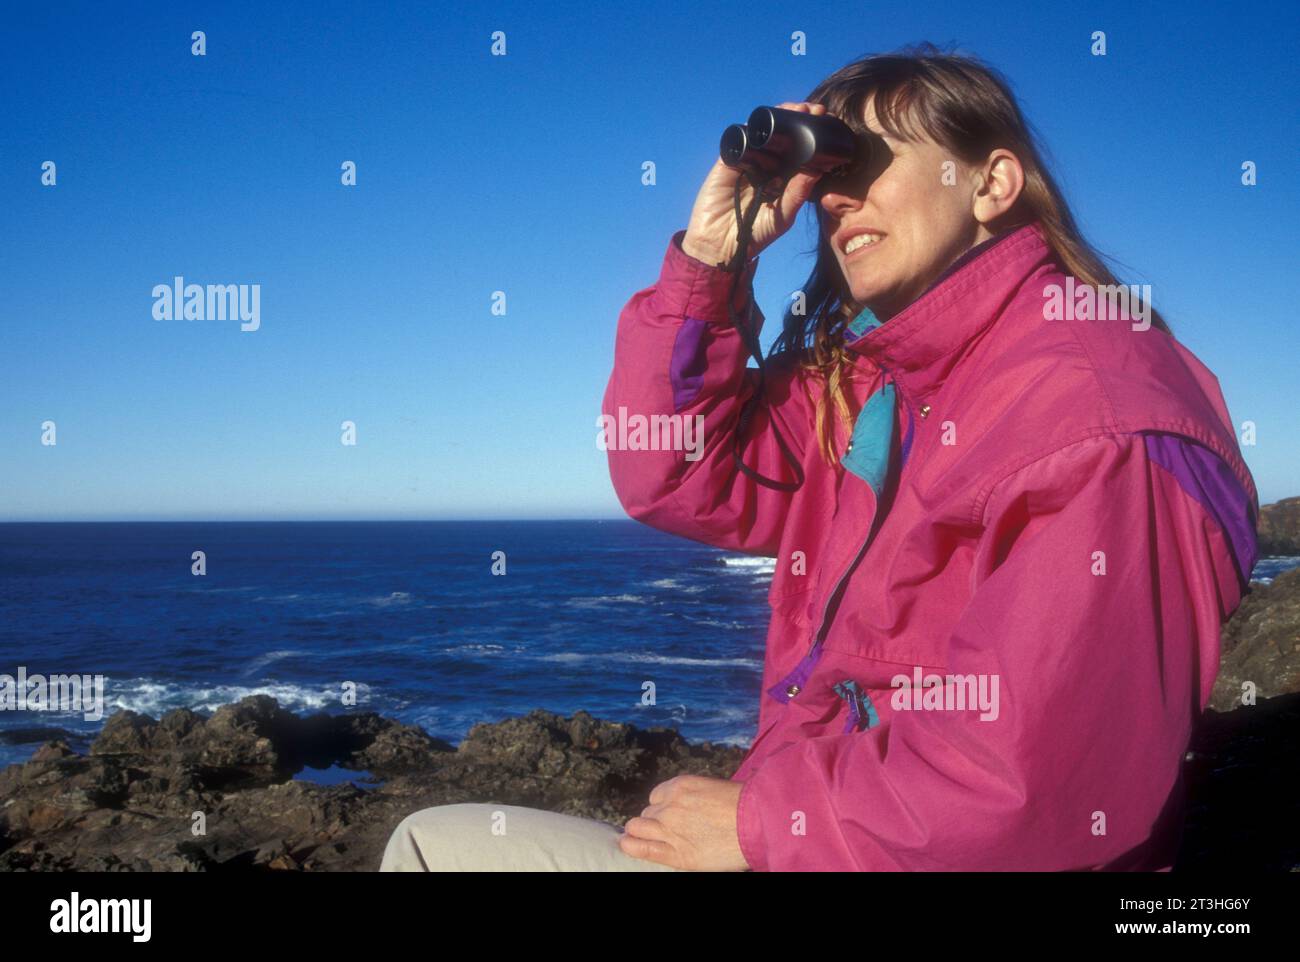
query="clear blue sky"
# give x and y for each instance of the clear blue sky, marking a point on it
(523, 174)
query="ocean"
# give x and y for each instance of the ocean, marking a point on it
(409, 613)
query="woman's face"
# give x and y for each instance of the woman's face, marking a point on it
(918, 212)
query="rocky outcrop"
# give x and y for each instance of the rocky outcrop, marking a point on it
(1261, 644)
(139, 799)
(1279, 527)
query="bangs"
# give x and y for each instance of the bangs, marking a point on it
(902, 107)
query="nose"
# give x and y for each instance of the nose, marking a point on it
(837, 205)
(839, 195)
(837, 201)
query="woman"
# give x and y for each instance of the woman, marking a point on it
(1022, 520)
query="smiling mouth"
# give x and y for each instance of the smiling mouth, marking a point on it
(861, 242)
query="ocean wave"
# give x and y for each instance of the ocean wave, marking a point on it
(260, 662)
(744, 715)
(751, 565)
(1269, 567)
(476, 648)
(721, 724)
(715, 623)
(150, 697)
(587, 602)
(672, 584)
(394, 598)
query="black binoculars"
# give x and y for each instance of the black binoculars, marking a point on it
(775, 144)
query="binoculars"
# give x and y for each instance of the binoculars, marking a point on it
(775, 144)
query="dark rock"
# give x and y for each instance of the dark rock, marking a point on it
(1279, 527)
(186, 793)
(52, 750)
(1261, 644)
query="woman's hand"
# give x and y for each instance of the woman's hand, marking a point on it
(690, 824)
(711, 232)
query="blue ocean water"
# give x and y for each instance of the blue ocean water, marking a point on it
(1266, 569)
(586, 614)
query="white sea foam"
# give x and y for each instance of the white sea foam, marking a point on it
(714, 623)
(474, 649)
(395, 598)
(672, 584)
(745, 714)
(738, 720)
(1269, 567)
(150, 697)
(605, 600)
(751, 565)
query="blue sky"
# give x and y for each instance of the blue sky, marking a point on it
(523, 174)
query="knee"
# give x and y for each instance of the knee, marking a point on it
(424, 840)
(401, 853)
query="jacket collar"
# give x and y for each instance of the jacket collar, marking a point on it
(920, 345)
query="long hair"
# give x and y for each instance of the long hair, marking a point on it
(966, 107)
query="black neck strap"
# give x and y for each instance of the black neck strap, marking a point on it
(744, 229)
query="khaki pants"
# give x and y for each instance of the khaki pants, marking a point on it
(506, 838)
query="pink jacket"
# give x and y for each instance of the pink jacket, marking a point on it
(1067, 526)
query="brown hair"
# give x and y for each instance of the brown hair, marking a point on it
(966, 107)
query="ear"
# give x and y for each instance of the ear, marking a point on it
(998, 183)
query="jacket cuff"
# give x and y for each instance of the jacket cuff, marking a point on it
(691, 288)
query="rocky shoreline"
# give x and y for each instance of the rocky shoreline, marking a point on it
(132, 802)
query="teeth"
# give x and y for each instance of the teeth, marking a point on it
(860, 240)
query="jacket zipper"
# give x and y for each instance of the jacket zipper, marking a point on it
(817, 635)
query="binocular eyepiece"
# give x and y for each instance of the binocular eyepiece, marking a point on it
(776, 144)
